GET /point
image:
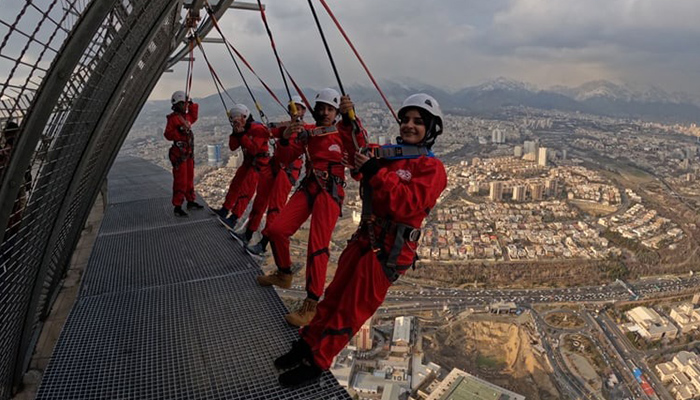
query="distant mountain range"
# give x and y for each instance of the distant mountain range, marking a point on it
(598, 97)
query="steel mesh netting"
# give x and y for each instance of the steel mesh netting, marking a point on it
(78, 137)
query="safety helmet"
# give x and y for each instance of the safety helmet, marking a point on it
(298, 101)
(178, 97)
(238, 110)
(328, 96)
(430, 112)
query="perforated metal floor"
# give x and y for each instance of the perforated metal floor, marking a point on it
(169, 309)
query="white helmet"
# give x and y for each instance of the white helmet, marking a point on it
(298, 101)
(328, 96)
(428, 104)
(178, 97)
(238, 110)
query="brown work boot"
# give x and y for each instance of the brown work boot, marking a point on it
(304, 315)
(277, 278)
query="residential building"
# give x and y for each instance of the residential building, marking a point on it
(462, 385)
(542, 157)
(496, 191)
(650, 325)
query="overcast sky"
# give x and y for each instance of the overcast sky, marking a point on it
(456, 43)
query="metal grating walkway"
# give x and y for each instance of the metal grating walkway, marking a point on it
(169, 309)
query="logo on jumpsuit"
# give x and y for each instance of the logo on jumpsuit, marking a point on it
(404, 174)
(335, 147)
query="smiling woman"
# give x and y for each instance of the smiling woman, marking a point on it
(400, 185)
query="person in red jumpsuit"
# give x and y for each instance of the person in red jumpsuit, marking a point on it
(252, 137)
(400, 185)
(284, 177)
(320, 195)
(181, 153)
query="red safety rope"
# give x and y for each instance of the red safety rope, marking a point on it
(217, 81)
(298, 89)
(231, 47)
(292, 106)
(357, 54)
(190, 65)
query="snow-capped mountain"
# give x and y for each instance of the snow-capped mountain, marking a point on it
(597, 97)
(623, 92)
(505, 84)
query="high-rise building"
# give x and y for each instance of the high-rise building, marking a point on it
(214, 155)
(498, 136)
(551, 187)
(564, 154)
(542, 157)
(364, 336)
(473, 187)
(536, 191)
(519, 193)
(518, 151)
(496, 191)
(530, 147)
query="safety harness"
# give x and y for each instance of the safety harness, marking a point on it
(400, 152)
(253, 159)
(386, 226)
(288, 169)
(324, 178)
(179, 151)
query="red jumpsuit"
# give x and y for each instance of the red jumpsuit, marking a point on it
(267, 186)
(283, 176)
(181, 154)
(254, 145)
(320, 195)
(404, 191)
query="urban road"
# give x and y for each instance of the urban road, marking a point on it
(620, 355)
(436, 298)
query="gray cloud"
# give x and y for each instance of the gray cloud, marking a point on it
(454, 43)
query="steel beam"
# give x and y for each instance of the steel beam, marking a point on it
(82, 168)
(33, 124)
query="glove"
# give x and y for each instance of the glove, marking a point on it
(370, 168)
(303, 136)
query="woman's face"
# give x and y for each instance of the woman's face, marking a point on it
(325, 114)
(412, 128)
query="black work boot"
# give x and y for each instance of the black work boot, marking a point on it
(222, 213)
(305, 374)
(231, 221)
(195, 205)
(179, 212)
(300, 350)
(257, 250)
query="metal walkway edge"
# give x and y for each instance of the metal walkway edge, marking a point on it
(169, 308)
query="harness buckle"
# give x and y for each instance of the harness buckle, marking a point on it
(414, 235)
(321, 174)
